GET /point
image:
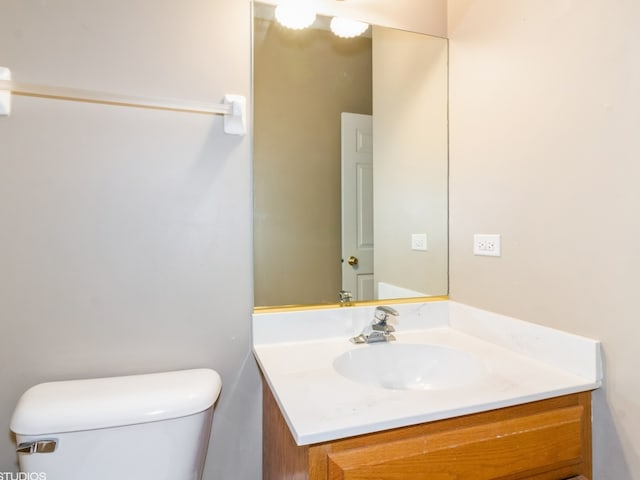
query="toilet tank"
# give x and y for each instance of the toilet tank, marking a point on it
(138, 427)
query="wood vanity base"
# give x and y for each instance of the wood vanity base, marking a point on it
(545, 440)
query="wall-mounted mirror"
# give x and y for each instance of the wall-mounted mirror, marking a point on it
(350, 164)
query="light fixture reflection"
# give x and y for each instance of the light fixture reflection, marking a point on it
(347, 28)
(295, 15)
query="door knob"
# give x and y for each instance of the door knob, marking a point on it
(353, 261)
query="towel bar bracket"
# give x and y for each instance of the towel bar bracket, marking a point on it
(5, 95)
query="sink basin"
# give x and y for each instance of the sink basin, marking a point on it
(410, 366)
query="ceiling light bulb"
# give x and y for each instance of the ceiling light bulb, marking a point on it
(347, 28)
(295, 15)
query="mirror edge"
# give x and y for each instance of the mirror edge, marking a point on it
(325, 306)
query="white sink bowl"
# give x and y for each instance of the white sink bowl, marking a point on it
(410, 366)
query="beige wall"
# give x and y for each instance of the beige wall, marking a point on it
(125, 234)
(410, 157)
(544, 150)
(302, 82)
(125, 239)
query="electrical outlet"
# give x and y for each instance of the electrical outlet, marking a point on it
(419, 241)
(484, 244)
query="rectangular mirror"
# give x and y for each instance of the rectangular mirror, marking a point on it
(350, 163)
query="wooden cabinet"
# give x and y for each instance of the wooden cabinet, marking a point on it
(545, 440)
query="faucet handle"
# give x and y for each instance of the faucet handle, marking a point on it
(383, 312)
(378, 330)
(381, 316)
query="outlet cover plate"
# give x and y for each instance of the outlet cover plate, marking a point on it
(419, 241)
(486, 244)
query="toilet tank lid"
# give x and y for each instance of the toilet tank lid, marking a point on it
(78, 405)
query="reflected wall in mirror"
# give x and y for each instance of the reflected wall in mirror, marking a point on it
(304, 81)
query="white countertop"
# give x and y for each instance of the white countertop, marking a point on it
(524, 362)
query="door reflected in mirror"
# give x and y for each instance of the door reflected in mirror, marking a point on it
(350, 164)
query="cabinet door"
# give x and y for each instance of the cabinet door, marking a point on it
(516, 448)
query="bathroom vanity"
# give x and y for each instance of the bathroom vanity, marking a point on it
(544, 440)
(522, 413)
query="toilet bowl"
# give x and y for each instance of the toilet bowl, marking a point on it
(138, 427)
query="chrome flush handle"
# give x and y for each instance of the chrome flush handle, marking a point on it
(40, 446)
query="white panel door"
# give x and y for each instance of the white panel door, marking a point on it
(357, 206)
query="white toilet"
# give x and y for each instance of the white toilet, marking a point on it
(139, 427)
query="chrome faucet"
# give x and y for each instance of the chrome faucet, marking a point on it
(345, 298)
(379, 329)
